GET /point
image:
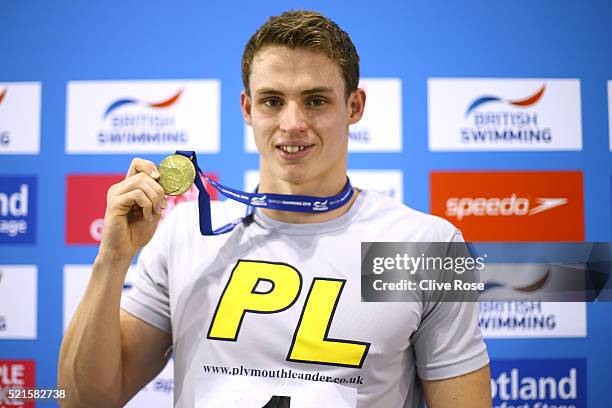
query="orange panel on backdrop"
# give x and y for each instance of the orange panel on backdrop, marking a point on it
(511, 206)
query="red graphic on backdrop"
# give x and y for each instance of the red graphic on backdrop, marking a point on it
(511, 206)
(15, 375)
(86, 204)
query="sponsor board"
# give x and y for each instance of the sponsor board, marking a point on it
(386, 182)
(18, 196)
(15, 375)
(504, 114)
(513, 303)
(76, 278)
(86, 204)
(539, 383)
(143, 116)
(18, 302)
(389, 183)
(511, 206)
(160, 391)
(531, 319)
(20, 117)
(380, 128)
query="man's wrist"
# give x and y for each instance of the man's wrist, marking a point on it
(109, 261)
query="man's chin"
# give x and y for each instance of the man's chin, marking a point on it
(295, 178)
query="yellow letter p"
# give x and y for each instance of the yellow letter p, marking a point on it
(240, 295)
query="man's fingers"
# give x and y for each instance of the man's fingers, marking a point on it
(139, 189)
(126, 201)
(142, 166)
(150, 187)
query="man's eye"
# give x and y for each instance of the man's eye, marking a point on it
(316, 102)
(272, 102)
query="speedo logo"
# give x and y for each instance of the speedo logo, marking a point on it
(320, 205)
(500, 206)
(259, 201)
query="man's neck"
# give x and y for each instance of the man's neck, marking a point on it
(326, 190)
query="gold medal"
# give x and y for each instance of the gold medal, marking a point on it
(177, 174)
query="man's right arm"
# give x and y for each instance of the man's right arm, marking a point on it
(107, 355)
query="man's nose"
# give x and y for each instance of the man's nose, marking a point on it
(292, 118)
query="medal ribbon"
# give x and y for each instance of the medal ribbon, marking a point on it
(282, 202)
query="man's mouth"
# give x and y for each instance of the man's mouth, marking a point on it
(290, 152)
(291, 149)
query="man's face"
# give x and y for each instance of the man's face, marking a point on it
(300, 116)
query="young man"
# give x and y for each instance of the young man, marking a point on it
(270, 314)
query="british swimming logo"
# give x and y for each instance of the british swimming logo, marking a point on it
(143, 116)
(132, 120)
(524, 102)
(504, 114)
(155, 105)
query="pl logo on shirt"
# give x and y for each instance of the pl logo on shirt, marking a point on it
(504, 114)
(143, 116)
(537, 383)
(17, 209)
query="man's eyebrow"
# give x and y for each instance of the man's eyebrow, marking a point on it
(268, 91)
(320, 89)
(316, 90)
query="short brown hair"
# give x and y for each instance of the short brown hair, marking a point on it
(309, 30)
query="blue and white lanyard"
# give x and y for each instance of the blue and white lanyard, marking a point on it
(282, 202)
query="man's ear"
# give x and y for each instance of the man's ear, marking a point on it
(245, 107)
(356, 105)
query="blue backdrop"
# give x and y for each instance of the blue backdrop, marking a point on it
(56, 42)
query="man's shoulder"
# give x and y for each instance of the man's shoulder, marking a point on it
(401, 222)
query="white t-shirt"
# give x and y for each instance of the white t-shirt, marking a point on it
(272, 311)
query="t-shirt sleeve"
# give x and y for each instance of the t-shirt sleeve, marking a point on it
(448, 341)
(148, 298)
